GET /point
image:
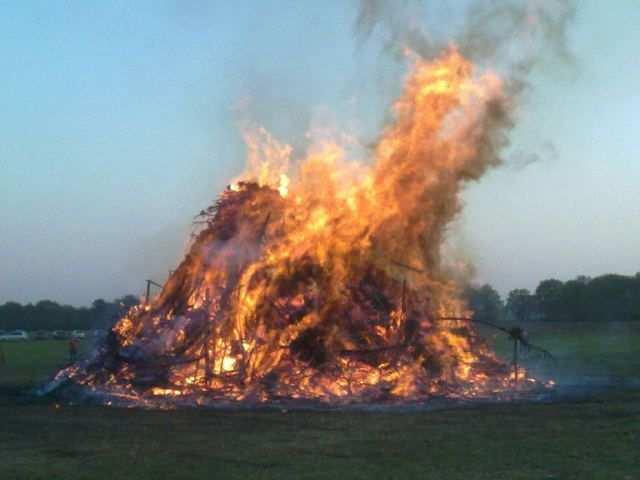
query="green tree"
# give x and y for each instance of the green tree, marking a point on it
(11, 315)
(549, 299)
(574, 299)
(612, 297)
(486, 303)
(521, 305)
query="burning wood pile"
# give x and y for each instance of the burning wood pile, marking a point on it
(327, 284)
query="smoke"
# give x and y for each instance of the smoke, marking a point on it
(509, 37)
(514, 34)
(521, 159)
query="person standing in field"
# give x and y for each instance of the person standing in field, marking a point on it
(73, 349)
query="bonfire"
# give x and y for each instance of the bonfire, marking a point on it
(322, 278)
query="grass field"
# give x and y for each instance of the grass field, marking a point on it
(28, 363)
(595, 438)
(582, 349)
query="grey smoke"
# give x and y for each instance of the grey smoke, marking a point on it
(510, 36)
(514, 33)
(521, 159)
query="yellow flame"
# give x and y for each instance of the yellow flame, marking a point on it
(327, 224)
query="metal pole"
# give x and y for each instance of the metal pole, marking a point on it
(148, 292)
(515, 361)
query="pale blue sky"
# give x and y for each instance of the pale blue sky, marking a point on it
(119, 123)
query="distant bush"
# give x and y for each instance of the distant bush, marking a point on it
(605, 298)
(48, 315)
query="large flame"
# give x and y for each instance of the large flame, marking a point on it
(325, 281)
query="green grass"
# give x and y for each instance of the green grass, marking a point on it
(28, 363)
(582, 349)
(595, 438)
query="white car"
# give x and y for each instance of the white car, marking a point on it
(16, 335)
(78, 334)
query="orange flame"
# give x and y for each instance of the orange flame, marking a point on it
(324, 281)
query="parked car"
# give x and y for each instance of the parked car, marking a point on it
(61, 335)
(41, 335)
(14, 336)
(78, 334)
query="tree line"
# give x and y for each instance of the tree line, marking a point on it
(609, 297)
(49, 315)
(605, 298)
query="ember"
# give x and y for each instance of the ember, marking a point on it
(326, 282)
